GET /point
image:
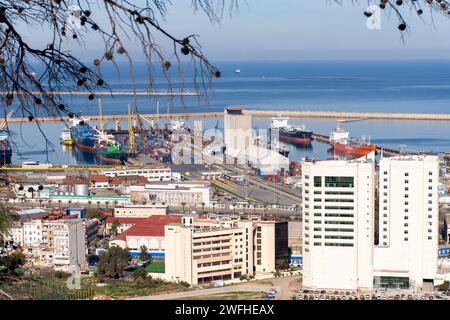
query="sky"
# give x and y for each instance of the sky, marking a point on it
(297, 30)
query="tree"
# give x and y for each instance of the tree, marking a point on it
(143, 255)
(13, 261)
(114, 230)
(203, 207)
(113, 262)
(183, 204)
(115, 25)
(6, 223)
(139, 274)
(95, 214)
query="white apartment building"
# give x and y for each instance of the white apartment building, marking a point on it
(407, 250)
(338, 225)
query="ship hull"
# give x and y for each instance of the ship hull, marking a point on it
(108, 160)
(297, 137)
(357, 150)
(293, 139)
(84, 147)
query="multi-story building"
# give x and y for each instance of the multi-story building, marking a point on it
(52, 243)
(152, 174)
(140, 211)
(338, 223)
(172, 193)
(407, 248)
(203, 251)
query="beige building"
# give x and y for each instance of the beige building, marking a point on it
(203, 251)
(172, 193)
(140, 211)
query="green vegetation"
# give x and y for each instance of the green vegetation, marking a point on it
(95, 214)
(113, 262)
(143, 255)
(156, 267)
(237, 295)
(114, 230)
(140, 274)
(6, 222)
(11, 264)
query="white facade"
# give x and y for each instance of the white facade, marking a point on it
(57, 243)
(237, 130)
(338, 226)
(408, 219)
(172, 194)
(152, 174)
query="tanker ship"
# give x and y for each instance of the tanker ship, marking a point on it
(289, 133)
(341, 141)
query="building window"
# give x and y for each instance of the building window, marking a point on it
(339, 182)
(406, 174)
(317, 181)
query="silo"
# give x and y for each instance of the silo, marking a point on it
(81, 189)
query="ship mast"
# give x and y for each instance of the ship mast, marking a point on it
(102, 125)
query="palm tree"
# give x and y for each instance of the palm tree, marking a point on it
(203, 207)
(183, 204)
(59, 203)
(98, 204)
(214, 207)
(89, 203)
(234, 207)
(106, 203)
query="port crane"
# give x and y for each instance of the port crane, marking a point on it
(5, 121)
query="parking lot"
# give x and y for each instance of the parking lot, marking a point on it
(305, 294)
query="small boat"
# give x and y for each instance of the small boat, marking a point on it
(66, 138)
(341, 141)
(237, 71)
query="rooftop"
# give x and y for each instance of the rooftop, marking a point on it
(149, 227)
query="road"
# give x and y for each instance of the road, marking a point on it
(285, 286)
(204, 292)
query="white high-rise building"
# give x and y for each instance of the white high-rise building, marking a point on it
(338, 224)
(406, 254)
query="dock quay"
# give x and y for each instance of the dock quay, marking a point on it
(269, 113)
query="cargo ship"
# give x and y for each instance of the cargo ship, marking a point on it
(289, 133)
(341, 141)
(84, 136)
(110, 152)
(5, 148)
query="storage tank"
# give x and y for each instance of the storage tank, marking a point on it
(81, 190)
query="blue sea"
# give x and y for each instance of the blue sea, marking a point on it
(378, 86)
